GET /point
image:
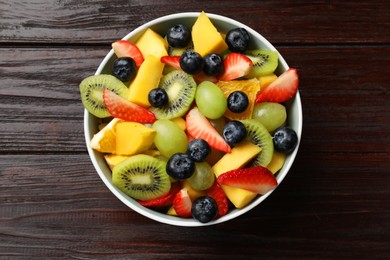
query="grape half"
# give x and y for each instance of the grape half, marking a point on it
(170, 138)
(210, 100)
(271, 115)
(203, 177)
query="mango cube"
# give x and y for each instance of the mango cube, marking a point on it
(206, 37)
(266, 80)
(171, 211)
(237, 158)
(113, 159)
(151, 43)
(194, 194)
(133, 138)
(147, 78)
(277, 162)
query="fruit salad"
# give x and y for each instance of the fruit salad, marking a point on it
(193, 122)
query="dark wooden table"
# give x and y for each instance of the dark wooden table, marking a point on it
(334, 204)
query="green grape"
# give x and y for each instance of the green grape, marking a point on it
(170, 138)
(210, 100)
(218, 124)
(203, 177)
(271, 115)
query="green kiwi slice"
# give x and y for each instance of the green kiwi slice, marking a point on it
(142, 177)
(264, 62)
(259, 135)
(181, 88)
(91, 91)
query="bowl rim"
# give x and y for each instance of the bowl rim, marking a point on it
(165, 218)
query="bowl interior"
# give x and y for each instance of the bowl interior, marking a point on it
(161, 25)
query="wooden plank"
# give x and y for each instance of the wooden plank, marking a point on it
(56, 206)
(296, 22)
(40, 98)
(344, 99)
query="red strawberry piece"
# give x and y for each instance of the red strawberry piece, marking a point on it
(217, 193)
(173, 61)
(164, 201)
(236, 65)
(257, 179)
(182, 203)
(123, 109)
(199, 127)
(123, 48)
(282, 89)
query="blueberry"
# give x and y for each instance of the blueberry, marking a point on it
(178, 36)
(158, 97)
(180, 166)
(234, 132)
(204, 209)
(237, 102)
(213, 64)
(285, 139)
(191, 62)
(124, 69)
(198, 149)
(237, 40)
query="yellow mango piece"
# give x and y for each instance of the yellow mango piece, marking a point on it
(104, 140)
(151, 43)
(194, 194)
(180, 122)
(237, 158)
(171, 211)
(206, 37)
(147, 78)
(113, 159)
(266, 80)
(133, 138)
(277, 162)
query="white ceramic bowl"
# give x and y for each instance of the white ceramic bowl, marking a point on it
(161, 25)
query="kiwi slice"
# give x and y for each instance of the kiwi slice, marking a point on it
(264, 62)
(181, 88)
(142, 177)
(91, 91)
(259, 135)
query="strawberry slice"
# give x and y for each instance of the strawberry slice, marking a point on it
(236, 65)
(199, 127)
(123, 48)
(173, 61)
(182, 203)
(123, 109)
(257, 179)
(164, 201)
(282, 89)
(220, 198)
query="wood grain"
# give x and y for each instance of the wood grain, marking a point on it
(297, 22)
